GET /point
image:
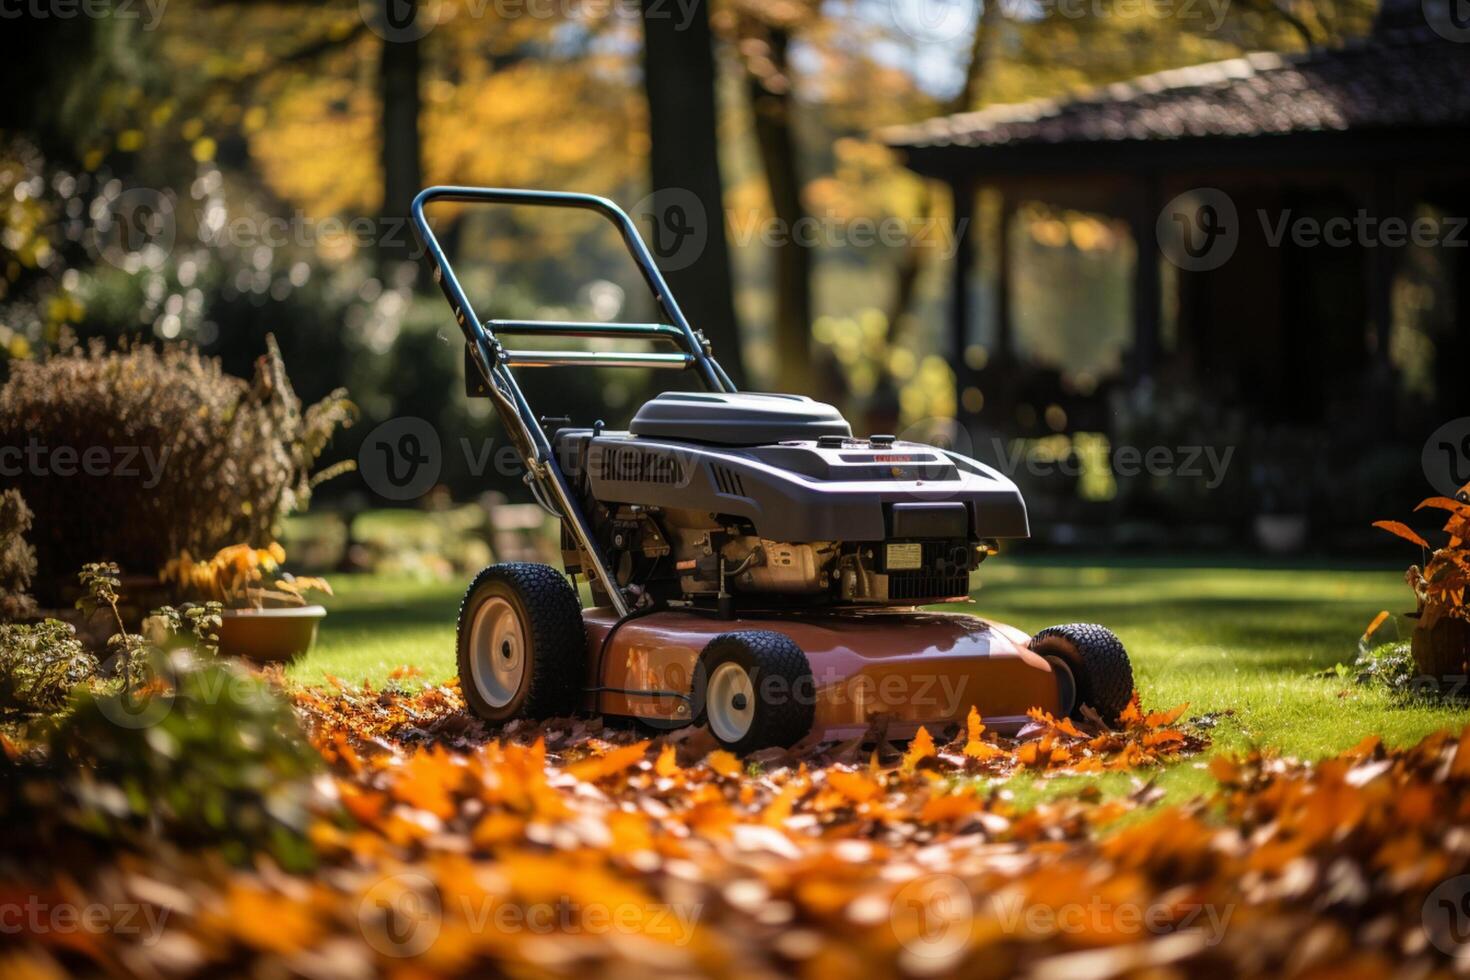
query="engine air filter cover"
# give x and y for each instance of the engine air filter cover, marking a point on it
(737, 419)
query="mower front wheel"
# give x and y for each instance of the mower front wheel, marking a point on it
(1093, 663)
(755, 690)
(521, 643)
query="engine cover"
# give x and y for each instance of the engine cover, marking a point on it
(845, 519)
(833, 489)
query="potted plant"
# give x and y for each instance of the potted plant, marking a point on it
(263, 622)
(1441, 643)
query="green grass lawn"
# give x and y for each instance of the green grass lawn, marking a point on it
(1247, 640)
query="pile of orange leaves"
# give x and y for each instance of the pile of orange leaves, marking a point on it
(572, 848)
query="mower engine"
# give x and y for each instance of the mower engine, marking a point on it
(719, 496)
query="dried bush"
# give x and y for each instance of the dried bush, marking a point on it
(136, 455)
(17, 558)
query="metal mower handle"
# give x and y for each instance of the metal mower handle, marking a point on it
(482, 335)
(545, 478)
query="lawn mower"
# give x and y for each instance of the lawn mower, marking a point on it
(753, 565)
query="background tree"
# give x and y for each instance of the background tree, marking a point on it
(400, 69)
(763, 33)
(679, 76)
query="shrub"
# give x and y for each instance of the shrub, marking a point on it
(1389, 665)
(204, 754)
(40, 664)
(17, 558)
(139, 454)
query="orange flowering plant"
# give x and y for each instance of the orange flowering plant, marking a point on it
(1440, 584)
(236, 577)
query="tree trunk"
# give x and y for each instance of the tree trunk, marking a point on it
(679, 80)
(910, 265)
(911, 262)
(771, 103)
(981, 45)
(399, 68)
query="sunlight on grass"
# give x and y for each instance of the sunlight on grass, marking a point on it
(1246, 640)
(376, 623)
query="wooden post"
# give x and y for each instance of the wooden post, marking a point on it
(1383, 262)
(1005, 328)
(1146, 285)
(1383, 204)
(961, 316)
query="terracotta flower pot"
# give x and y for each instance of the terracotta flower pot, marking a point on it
(1442, 650)
(267, 635)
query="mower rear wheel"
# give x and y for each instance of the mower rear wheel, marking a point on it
(1101, 673)
(754, 688)
(521, 643)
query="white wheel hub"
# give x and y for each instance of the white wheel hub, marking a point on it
(497, 651)
(729, 702)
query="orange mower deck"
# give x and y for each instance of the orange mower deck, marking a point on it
(915, 668)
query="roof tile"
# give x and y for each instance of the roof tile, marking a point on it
(1405, 78)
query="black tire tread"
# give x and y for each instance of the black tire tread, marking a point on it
(780, 725)
(1099, 663)
(558, 639)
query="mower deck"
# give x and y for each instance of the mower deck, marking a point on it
(917, 668)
